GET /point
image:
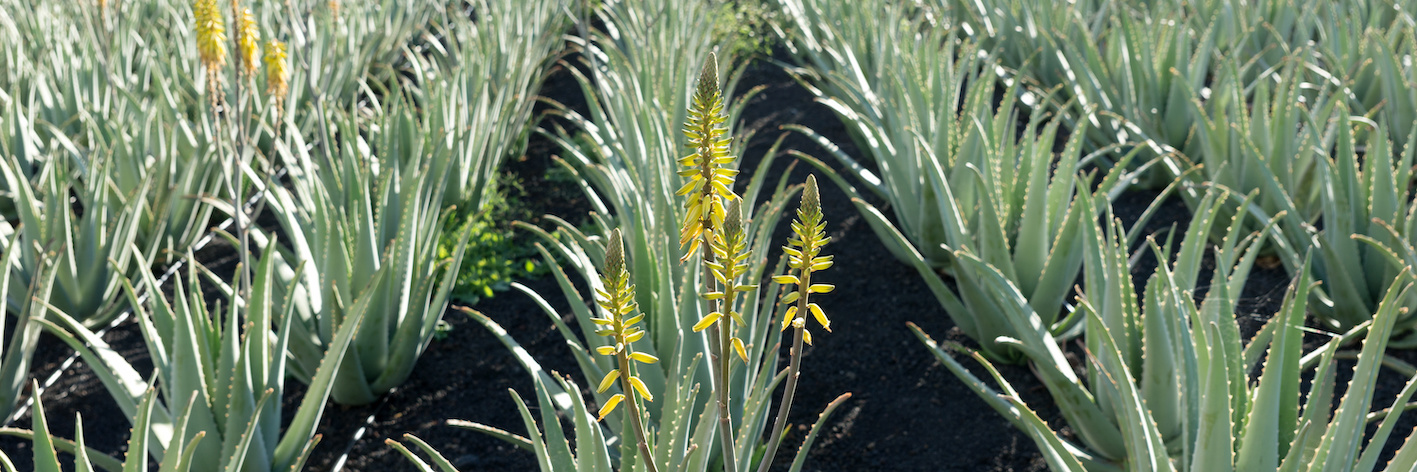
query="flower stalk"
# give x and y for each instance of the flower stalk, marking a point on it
(247, 51)
(211, 48)
(617, 298)
(708, 187)
(808, 237)
(730, 251)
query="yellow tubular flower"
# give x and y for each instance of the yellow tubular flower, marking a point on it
(709, 180)
(617, 299)
(211, 35)
(803, 249)
(248, 39)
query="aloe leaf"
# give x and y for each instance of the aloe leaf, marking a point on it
(45, 459)
(801, 457)
(307, 417)
(1273, 417)
(1059, 455)
(100, 460)
(81, 453)
(240, 452)
(1215, 448)
(513, 439)
(137, 442)
(590, 441)
(407, 454)
(1340, 445)
(1369, 459)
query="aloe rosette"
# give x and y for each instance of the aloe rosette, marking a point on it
(367, 227)
(1189, 402)
(220, 375)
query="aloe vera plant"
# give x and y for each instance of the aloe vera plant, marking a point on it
(115, 86)
(1367, 236)
(1124, 69)
(500, 62)
(1386, 88)
(367, 226)
(91, 249)
(21, 340)
(1269, 140)
(47, 446)
(626, 148)
(1188, 404)
(960, 185)
(221, 375)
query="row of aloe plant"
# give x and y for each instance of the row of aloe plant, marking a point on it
(156, 116)
(1249, 115)
(684, 366)
(1259, 126)
(1002, 213)
(1190, 402)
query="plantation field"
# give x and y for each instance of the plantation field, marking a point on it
(738, 235)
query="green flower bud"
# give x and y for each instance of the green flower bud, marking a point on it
(614, 255)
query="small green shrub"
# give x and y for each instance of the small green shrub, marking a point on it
(748, 23)
(495, 253)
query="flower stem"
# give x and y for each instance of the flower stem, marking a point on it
(719, 347)
(634, 409)
(238, 215)
(794, 370)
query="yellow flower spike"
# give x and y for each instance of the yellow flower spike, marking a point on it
(640, 388)
(610, 405)
(248, 37)
(738, 347)
(803, 250)
(277, 72)
(808, 237)
(211, 35)
(616, 298)
(609, 380)
(708, 180)
(614, 256)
